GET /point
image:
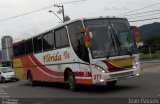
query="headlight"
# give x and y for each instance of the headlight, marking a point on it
(135, 63)
(100, 69)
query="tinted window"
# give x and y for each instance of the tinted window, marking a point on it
(102, 38)
(48, 41)
(16, 50)
(29, 46)
(37, 44)
(64, 38)
(22, 49)
(19, 49)
(58, 39)
(123, 36)
(74, 31)
(61, 38)
(77, 40)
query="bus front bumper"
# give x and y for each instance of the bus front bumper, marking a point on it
(114, 76)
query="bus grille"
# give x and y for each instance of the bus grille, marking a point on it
(121, 74)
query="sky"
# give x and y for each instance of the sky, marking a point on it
(31, 24)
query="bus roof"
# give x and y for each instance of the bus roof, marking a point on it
(68, 22)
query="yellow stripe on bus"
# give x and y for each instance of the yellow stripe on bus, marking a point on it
(122, 62)
(18, 70)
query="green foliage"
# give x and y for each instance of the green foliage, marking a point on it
(147, 56)
(153, 43)
(143, 49)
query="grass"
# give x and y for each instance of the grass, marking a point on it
(147, 56)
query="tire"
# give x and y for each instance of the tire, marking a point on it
(71, 81)
(3, 80)
(30, 80)
(17, 79)
(111, 84)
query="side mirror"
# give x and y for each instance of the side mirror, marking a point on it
(137, 37)
(86, 38)
(136, 33)
(84, 30)
(87, 41)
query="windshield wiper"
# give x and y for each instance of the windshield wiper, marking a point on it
(112, 42)
(119, 45)
(117, 41)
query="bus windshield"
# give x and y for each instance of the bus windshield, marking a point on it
(110, 37)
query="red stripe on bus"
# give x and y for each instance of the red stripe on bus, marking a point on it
(113, 68)
(83, 74)
(47, 70)
(84, 81)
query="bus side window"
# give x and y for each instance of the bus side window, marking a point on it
(22, 48)
(29, 46)
(77, 42)
(82, 50)
(16, 50)
(48, 41)
(37, 44)
(19, 49)
(61, 38)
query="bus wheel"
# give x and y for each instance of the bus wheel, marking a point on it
(17, 79)
(3, 80)
(111, 84)
(71, 81)
(30, 79)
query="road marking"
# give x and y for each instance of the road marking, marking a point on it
(4, 96)
(3, 86)
(3, 93)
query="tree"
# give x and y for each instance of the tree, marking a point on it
(153, 43)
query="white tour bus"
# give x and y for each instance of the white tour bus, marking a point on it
(84, 51)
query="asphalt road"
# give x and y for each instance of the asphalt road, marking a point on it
(145, 86)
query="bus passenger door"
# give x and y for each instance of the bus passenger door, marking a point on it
(81, 52)
(83, 60)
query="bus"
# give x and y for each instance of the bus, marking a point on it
(88, 51)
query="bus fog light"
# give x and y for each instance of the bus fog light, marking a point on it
(101, 80)
(100, 69)
(135, 64)
(137, 74)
